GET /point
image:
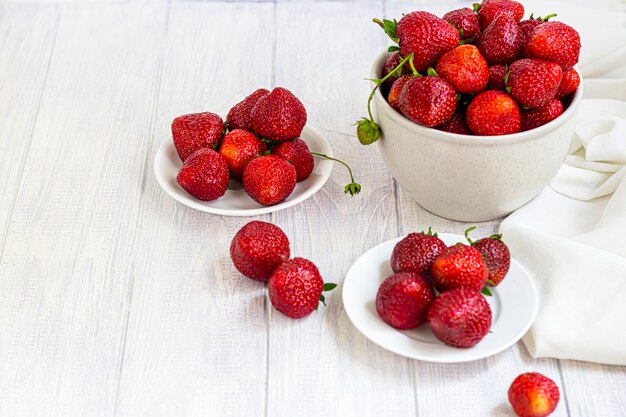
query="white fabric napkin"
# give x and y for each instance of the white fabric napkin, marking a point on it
(572, 237)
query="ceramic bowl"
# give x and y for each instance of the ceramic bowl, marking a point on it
(471, 178)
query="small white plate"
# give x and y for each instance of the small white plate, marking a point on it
(236, 202)
(513, 305)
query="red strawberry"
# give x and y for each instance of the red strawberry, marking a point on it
(278, 115)
(269, 179)
(533, 118)
(204, 175)
(239, 116)
(396, 88)
(297, 152)
(456, 124)
(460, 317)
(554, 41)
(416, 252)
(528, 26)
(501, 42)
(238, 148)
(490, 9)
(295, 288)
(403, 299)
(569, 83)
(427, 37)
(493, 112)
(465, 68)
(533, 395)
(497, 75)
(392, 62)
(534, 82)
(196, 131)
(465, 21)
(258, 249)
(497, 256)
(460, 266)
(429, 101)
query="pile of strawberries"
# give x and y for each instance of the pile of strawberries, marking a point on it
(261, 252)
(442, 286)
(483, 71)
(259, 144)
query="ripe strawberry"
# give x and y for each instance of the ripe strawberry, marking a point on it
(426, 36)
(502, 41)
(392, 62)
(295, 288)
(429, 101)
(204, 175)
(460, 317)
(238, 148)
(239, 116)
(528, 26)
(465, 68)
(533, 118)
(456, 124)
(269, 179)
(497, 75)
(296, 152)
(396, 88)
(403, 299)
(416, 252)
(489, 10)
(460, 266)
(258, 248)
(465, 21)
(493, 112)
(196, 131)
(569, 83)
(496, 254)
(554, 41)
(278, 115)
(534, 82)
(533, 395)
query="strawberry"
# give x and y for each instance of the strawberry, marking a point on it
(416, 252)
(456, 124)
(528, 26)
(465, 21)
(533, 395)
(204, 175)
(502, 41)
(296, 152)
(460, 317)
(497, 77)
(554, 41)
(489, 10)
(493, 112)
(465, 68)
(426, 36)
(403, 299)
(460, 266)
(239, 116)
(278, 115)
(496, 255)
(269, 179)
(396, 88)
(196, 131)
(533, 82)
(533, 118)
(569, 83)
(429, 101)
(238, 148)
(258, 248)
(392, 62)
(295, 288)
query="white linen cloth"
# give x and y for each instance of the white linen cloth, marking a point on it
(572, 237)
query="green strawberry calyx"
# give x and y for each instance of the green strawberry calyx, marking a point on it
(328, 286)
(389, 26)
(542, 19)
(429, 232)
(353, 188)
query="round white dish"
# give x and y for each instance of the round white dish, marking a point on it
(236, 202)
(514, 307)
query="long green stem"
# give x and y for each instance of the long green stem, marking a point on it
(353, 188)
(408, 58)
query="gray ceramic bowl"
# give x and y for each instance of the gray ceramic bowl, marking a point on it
(471, 178)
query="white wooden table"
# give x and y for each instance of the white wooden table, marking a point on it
(117, 301)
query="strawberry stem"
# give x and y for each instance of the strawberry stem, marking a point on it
(353, 188)
(471, 242)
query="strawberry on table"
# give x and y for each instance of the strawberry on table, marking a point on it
(403, 300)
(501, 42)
(493, 112)
(465, 68)
(533, 395)
(239, 116)
(258, 248)
(278, 116)
(204, 175)
(460, 317)
(539, 116)
(569, 83)
(196, 131)
(296, 152)
(416, 252)
(465, 21)
(428, 101)
(533, 82)
(460, 266)
(554, 41)
(489, 10)
(497, 77)
(238, 148)
(269, 179)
